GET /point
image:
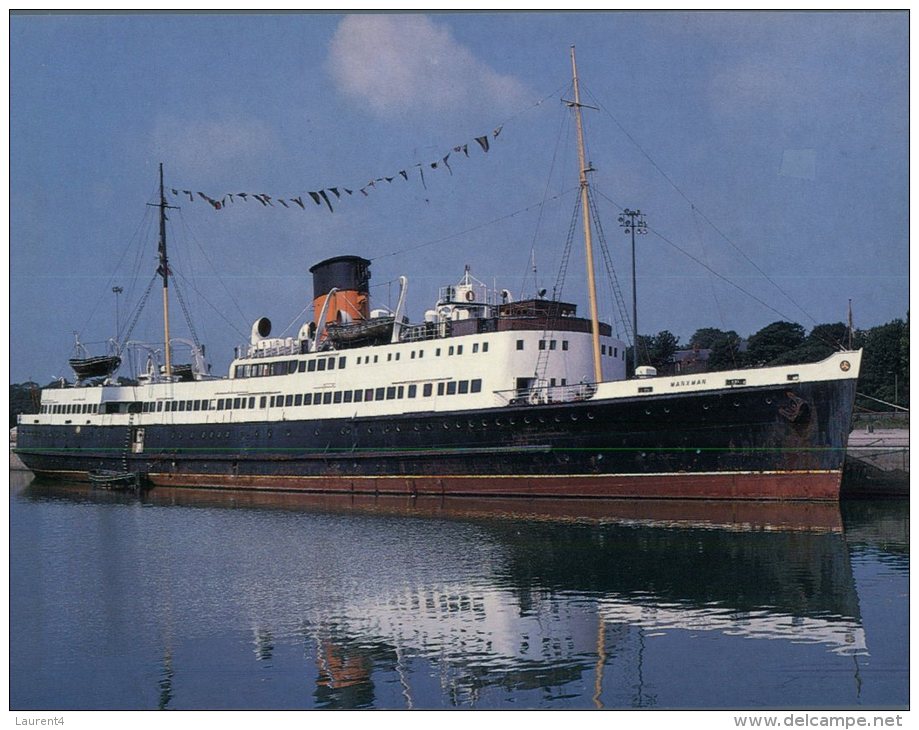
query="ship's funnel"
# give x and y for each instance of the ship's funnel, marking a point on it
(350, 277)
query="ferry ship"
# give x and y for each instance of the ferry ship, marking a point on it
(485, 396)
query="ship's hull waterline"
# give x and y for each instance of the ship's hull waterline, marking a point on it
(764, 442)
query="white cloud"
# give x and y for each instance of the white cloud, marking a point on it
(402, 65)
(202, 148)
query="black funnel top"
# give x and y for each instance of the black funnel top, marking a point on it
(346, 273)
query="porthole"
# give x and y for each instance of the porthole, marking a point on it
(736, 404)
(666, 410)
(590, 416)
(574, 416)
(385, 429)
(369, 429)
(226, 434)
(345, 431)
(316, 432)
(647, 411)
(459, 424)
(499, 422)
(558, 419)
(542, 419)
(705, 406)
(768, 401)
(446, 426)
(416, 427)
(287, 433)
(471, 425)
(527, 419)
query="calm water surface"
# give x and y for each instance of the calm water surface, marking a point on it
(218, 600)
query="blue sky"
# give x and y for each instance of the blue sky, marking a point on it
(783, 136)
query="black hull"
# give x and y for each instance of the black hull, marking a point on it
(777, 442)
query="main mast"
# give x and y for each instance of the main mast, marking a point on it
(585, 214)
(163, 271)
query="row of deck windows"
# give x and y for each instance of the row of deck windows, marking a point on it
(288, 367)
(70, 408)
(391, 392)
(419, 354)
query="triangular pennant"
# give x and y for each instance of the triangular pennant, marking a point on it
(244, 196)
(188, 193)
(298, 201)
(466, 150)
(404, 174)
(348, 191)
(326, 199)
(497, 132)
(316, 198)
(388, 179)
(483, 141)
(282, 202)
(268, 199)
(433, 165)
(335, 190)
(447, 164)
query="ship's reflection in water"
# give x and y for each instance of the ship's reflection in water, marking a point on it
(200, 599)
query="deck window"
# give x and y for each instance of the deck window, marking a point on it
(542, 345)
(327, 397)
(400, 391)
(336, 396)
(298, 399)
(426, 390)
(331, 365)
(379, 393)
(219, 405)
(288, 400)
(412, 391)
(301, 366)
(341, 362)
(484, 347)
(564, 344)
(311, 366)
(320, 365)
(263, 401)
(358, 396)
(440, 388)
(475, 347)
(463, 387)
(348, 396)
(391, 392)
(368, 394)
(519, 344)
(252, 401)
(552, 344)
(451, 388)
(475, 386)
(307, 399)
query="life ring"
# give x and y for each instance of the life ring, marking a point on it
(470, 296)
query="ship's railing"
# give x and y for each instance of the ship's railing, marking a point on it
(425, 331)
(288, 348)
(546, 394)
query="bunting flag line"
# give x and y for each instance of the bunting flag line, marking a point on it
(321, 196)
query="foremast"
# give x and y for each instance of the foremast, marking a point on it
(163, 271)
(585, 215)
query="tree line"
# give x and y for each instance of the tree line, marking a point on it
(885, 361)
(884, 374)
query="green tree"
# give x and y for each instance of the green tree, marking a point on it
(24, 398)
(706, 337)
(823, 341)
(885, 365)
(725, 352)
(773, 342)
(655, 350)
